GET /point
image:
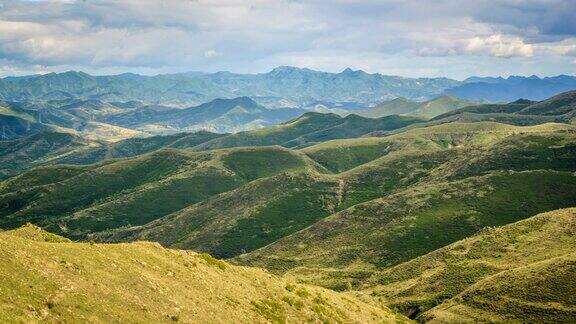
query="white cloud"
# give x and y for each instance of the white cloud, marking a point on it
(499, 46)
(211, 53)
(161, 35)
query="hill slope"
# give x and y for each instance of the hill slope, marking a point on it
(47, 278)
(464, 181)
(521, 271)
(308, 129)
(427, 109)
(135, 191)
(51, 148)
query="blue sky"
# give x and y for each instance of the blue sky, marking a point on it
(452, 38)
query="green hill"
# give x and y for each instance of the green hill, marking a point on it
(397, 106)
(134, 191)
(518, 272)
(308, 129)
(448, 187)
(439, 106)
(16, 126)
(44, 148)
(560, 108)
(427, 109)
(46, 278)
(50, 148)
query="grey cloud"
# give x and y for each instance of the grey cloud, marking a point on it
(252, 35)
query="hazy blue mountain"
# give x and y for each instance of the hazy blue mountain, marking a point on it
(513, 88)
(300, 86)
(219, 115)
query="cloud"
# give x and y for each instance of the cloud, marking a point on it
(251, 36)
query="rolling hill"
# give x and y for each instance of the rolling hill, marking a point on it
(308, 129)
(460, 183)
(435, 219)
(518, 272)
(50, 148)
(135, 191)
(427, 109)
(47, 278)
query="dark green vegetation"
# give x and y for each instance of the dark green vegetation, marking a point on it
(560, 108)
(417, 218)
(47, 278)
(308, 129)
(446, 187)
(133, 192)
(50, 148)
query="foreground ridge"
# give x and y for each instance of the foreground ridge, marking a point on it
(45, 277)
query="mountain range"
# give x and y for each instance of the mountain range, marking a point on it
(282, 87)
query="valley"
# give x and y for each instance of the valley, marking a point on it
(446, 210)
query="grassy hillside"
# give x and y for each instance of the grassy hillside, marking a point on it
(520, 271)
(397, 106)
(560, 108)
(561, 104)
(309, 129)
(440, 105)
(43, 148)
(427, 109)
(135, 191)
(464, 183)
(50, 148)
(46, 278)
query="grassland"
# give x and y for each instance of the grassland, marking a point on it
(309, 129)
(47, 278)
(133, 192)
(517, 272)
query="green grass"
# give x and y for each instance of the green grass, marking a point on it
(251, 164)
(520, 271)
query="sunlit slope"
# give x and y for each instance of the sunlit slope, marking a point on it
(342, 155)
(46, 278)
(134, 191)
(427, 109)
(521, 271)
(309, 129)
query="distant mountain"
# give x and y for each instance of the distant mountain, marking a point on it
(300, 86)
(283, 87)
(512, 88)
(427, 109)
(560, 108)
(219, 115)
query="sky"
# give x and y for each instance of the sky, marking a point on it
(416, 38)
